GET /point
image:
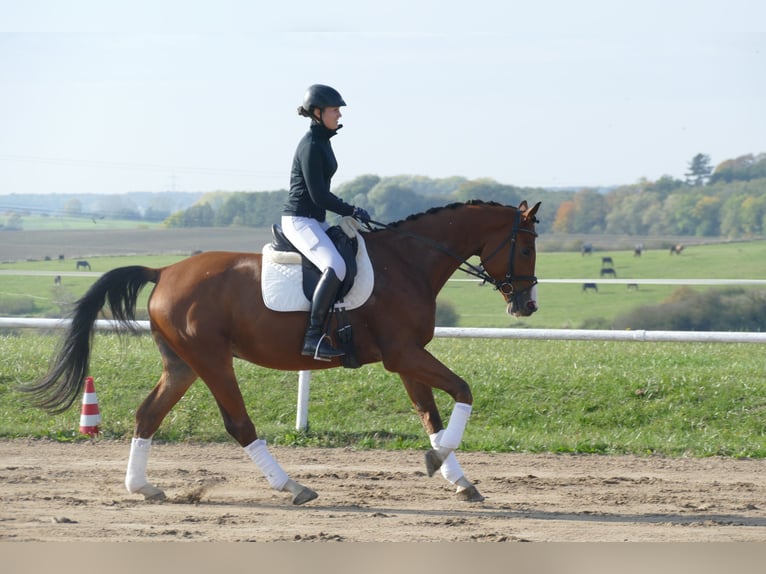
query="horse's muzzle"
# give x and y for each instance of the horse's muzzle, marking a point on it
(524, 310)
(523, 304)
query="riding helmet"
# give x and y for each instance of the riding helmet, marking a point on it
(321, 96)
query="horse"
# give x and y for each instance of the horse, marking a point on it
(608, 271)
(607, 261)
(638, 249)
(586, 249)
(589, 286)
(82, 264)
(208, 309)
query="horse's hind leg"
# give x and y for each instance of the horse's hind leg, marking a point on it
(220, 378)
(422, 398)
(177, 377)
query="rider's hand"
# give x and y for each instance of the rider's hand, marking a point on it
(361, 215)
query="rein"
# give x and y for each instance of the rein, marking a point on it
(505, 286)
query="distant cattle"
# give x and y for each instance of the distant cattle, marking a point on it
(82, 264)
(638, 250)
(587, 249)
(607, 262)
(589, 287)
(608, 271)
(676, 249)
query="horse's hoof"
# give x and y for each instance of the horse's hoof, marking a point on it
(152, 493)
(469, 494)
(433, 462)
(304, 496)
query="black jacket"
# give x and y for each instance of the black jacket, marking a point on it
(314, 164)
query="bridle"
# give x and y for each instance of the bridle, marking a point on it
(505, 286)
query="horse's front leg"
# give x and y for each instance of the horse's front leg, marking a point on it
(417, 367)
(422, 398)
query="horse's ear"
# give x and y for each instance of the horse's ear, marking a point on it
(529, 213)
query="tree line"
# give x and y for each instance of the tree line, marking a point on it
(728, 200)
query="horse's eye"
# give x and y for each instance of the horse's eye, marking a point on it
(526, 252)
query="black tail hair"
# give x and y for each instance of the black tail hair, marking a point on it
(119, 289)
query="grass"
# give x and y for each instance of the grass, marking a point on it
(674, 399)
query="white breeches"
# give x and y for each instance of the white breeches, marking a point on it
(309, 237)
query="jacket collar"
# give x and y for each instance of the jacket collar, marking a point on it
(320, 130)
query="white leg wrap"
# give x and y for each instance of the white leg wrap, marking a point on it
(135, 477)
(270, 468)
(453, 434)
(450, 468)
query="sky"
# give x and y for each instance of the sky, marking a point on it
(112, 96)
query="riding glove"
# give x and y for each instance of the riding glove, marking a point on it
(361, 215)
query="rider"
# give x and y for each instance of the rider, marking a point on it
(303, 216)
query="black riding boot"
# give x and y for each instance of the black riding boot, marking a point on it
(316, 344)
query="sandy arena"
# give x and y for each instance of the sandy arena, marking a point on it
(74, 492)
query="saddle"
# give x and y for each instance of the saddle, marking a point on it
(288, 279)
(346, 245)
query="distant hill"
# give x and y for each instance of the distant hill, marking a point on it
(151, 205)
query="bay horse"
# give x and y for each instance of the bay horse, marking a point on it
(206, 310)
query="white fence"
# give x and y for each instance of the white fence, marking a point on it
(304, 377)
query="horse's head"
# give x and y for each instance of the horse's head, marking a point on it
(508, 257)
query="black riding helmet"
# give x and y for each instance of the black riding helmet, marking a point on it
(321, 96)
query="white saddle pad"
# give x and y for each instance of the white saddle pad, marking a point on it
(282, 280)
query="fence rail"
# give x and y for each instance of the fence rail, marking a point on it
(474, 332)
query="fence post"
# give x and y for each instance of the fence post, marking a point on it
(302, 417)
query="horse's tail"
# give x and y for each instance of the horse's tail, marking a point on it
(119, 289)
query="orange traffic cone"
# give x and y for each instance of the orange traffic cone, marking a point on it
(90, 417)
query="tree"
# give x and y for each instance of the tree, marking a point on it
(699, 170)
(563, 221)
(589, 214)
(391, 202)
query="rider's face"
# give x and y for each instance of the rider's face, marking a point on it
(330, 117)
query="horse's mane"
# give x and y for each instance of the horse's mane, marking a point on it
(434, 210)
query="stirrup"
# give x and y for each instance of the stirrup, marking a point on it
(335, 352)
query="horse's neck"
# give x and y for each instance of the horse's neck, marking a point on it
(441, 246)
